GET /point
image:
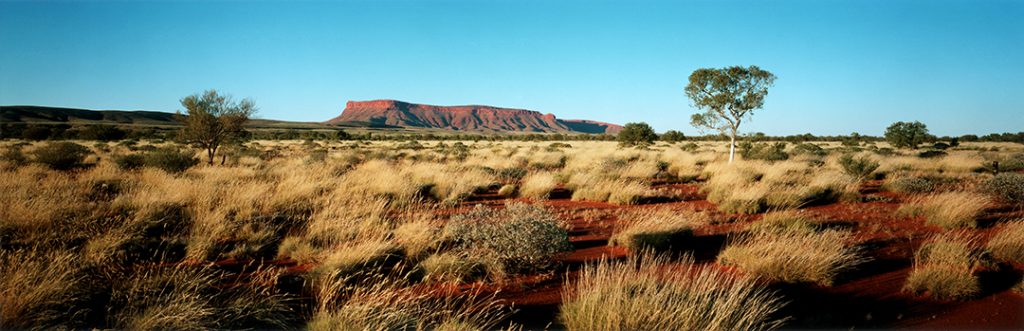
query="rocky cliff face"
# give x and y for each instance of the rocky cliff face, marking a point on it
(465, 118)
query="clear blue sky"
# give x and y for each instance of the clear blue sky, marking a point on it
(842, 66)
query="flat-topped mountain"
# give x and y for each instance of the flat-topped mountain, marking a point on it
(464, 118)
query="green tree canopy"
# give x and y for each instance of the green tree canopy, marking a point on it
(673, 136)
(727, 96)
(906, 134)
(634, 134)
(213, 120)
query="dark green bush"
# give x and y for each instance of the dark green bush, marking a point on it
(130, 161)
(689, 147)
(637, 134)
(809, 149)
(860, 167)
(764, 151)
(1007, 186)
(910, 185)
(171, 160)
(523, 237)
(14, 156)
(61, 155)
(931, 153)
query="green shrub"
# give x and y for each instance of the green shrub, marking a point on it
(764, 151)
(637, 134)
(61, 155)
(859, 168)
(690, 147)
(1007, 186)
(14, 156)
(521, 236)
(910, 185)
(809, 149)
(129, 161)
(171, 160)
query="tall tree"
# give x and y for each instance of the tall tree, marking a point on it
(213, 120)
(727, 96)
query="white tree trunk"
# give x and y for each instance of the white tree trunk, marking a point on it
(732, 146)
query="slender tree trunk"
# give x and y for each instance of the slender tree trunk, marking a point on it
(209, 153)
(732, 146)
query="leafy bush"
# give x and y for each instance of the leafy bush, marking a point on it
(521, 236)
(764, 151)
(690, 147)
(859, 168)
(1007, 186)
(809, 149)
(673, 136)
(931, 153)
(910, 185)
(906, 134)
(61, 155)
(634, 134)
(171, 160)
(130, 161)
(14, 156)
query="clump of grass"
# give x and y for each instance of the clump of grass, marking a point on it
(521, 236)
(357, 257)
(460, 268)
(656, 228)
(538, 185)
(648, 292)
(793, 255)
(785, 221)
(1008, 244)
(39, 289)
(172, 160)
(507, 190)
(388, 305)
(195, 297)
(597, 188)
(944, 267)
(949, 210)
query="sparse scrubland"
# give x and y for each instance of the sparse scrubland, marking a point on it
(332, 235)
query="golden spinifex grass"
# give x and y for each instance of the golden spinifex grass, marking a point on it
(39, 289)
(944, 267)
(785, 221)
(389, 304)
(655, 228)
(792, 255)
(648, 292)
(1008, 243)
(949, 210)
(538, 185)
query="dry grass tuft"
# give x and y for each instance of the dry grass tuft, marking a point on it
(538, 185)
(39, 289)
(949, 210)
(647, 292)
(944, 267)
(793, 255)
(1008, 244)
(655, 228)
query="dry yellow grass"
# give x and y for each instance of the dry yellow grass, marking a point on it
(949, 210)
(647, 292)
(793, 255)
(538, 185)
(655, 228)
(944, 267)
(1008, 244)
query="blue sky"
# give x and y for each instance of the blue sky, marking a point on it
(842, 66)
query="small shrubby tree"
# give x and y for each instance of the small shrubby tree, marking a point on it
(727, 96)
(61, 155)
(634, 134)
(673, 136)
(213, 120)
(906, 134)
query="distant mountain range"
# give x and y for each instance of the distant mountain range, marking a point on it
(377, 114)
(463, 118)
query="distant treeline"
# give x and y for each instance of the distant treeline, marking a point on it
(112, 132)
